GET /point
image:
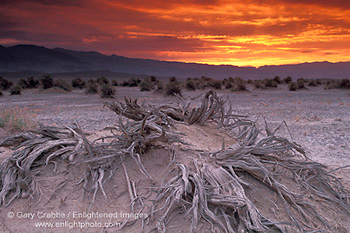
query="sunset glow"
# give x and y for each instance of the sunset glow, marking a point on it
(243, 33)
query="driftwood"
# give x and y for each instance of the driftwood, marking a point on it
(211, 190)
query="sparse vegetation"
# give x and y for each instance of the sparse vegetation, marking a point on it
(91, 89)
(270, 83)
(173, 88)
(292, 86)
(22, 83)
(159, 85)
(60, 83)
(46, 82)
(189, 85)
(17, 120)
(300, 83)
(5, 84)
(78, 83)
(102, 81)
(15, 90)
(115, 83)
(146, 85)
(287, 80)
(107, 91)
(32, 82)
(312, 83)
(238, 84)
(215, 84)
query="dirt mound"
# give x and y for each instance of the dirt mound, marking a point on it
(167, 168)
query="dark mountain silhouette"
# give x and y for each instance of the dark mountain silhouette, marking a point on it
(43, 60)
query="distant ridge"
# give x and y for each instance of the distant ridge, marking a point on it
(58, 60)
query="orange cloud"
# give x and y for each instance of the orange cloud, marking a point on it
(245, 33)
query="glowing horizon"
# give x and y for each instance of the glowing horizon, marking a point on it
(242, 33)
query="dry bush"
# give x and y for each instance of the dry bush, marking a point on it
(91, 89)
(312, 83)
(22, 83)
(102, 81)
(153, 79)
(46, 82)
(107, 91)
(277, 79)
(160, 86)
(5, 84)
(15, 90)
(115, 83)
(62, 84)
(318, 82)
(270, 83)
(173, 88)
(258, 84)
(0, 92)
(132, 82)
(233, 189)
(78, 83)
(300, 83)
(91, 81)
(189, 85)
(17, 120)
(287, 80)
(32, 82)
(292, 86)
(146, 85)
(238, 84)
(215, 84)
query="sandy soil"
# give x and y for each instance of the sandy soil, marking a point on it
(318, 120)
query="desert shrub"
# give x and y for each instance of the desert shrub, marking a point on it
(344, 84)
(258, 84)
(239, 85)
(17, 120)
(189, 85)
(91, 89)
(91, 81)
(292, 86)
(338, 84)
(146, 85)
(102, 81)
(173, 88)
(5, 84)
(22, 83)
(318, 82)
(312, 83)
(300, 83)
(270, 83)
(78, 83)
(15, 90)
(160, 85)
(107, 91)
(132, 82)
(229, 84)
(153, 79)
(114, 83)
(215, 84)
(277, 79)
(125, 83)
(287, 80)
(46, 82)
(32, 82)
(172, 79)
(0, 92)
(64, 85)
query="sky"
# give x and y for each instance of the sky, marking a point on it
(236, 32)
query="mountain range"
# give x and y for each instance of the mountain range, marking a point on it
(32, 58)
